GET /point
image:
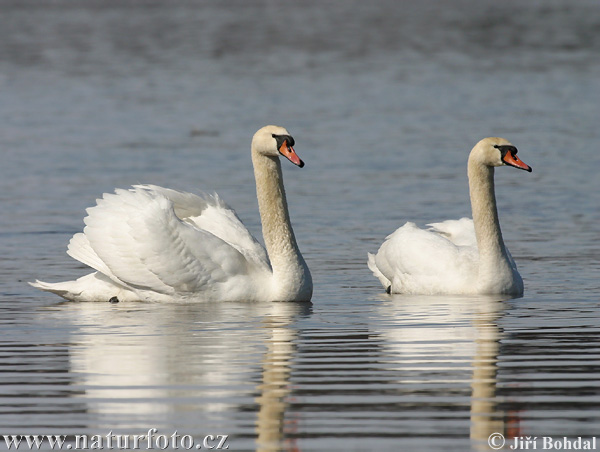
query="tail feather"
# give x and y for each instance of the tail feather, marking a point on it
(373, 267)
(92, 287)
(60, 288)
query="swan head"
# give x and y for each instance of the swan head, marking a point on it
(274, 141)
(494, 151)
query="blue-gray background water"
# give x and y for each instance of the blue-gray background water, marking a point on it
(385, 99)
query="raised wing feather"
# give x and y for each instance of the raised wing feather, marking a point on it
(210, 213)
(144, 244)
(80, 249)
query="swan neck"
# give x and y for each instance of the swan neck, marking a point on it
(492, 252)
(278, 235)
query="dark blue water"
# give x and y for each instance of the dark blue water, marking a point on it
(385, 100)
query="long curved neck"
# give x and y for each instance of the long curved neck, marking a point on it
(287, 263)
(493, 258)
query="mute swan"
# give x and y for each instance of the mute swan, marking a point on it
(456, 256)
(154, 243)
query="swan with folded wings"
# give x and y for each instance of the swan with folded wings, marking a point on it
(456, 256)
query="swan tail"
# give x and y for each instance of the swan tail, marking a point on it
(92, 287)
(61, 288)
(69, 290)
(380, 276)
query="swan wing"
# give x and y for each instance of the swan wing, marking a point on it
(142, 243)
(417, 260)
(459, 232)
(462, 233)
(210, 213)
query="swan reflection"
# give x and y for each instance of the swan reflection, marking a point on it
(275, 385)
(228, 368)
(185, 367)
(455, 335)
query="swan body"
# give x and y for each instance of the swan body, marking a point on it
(154, 243)
(456, 256)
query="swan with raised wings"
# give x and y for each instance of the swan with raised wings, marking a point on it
(154, 243)
(456, 256)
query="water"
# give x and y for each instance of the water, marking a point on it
(385, 100)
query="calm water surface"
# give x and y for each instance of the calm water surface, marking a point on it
(385, 101)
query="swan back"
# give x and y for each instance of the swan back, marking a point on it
(424, 261)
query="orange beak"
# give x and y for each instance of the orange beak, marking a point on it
(512, 160)
(289, 153)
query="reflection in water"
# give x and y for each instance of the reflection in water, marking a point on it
(282, 377)
(462, 336)
(191, 368)
(275, 385)
(145, 365)
(486, 417)
(35, 382)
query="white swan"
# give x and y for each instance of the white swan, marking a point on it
(457, 256)
(153, 243)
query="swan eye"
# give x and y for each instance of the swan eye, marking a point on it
(283, 139)
(504, 148)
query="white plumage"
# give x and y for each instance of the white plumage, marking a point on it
(154, 243)
(456, 256)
